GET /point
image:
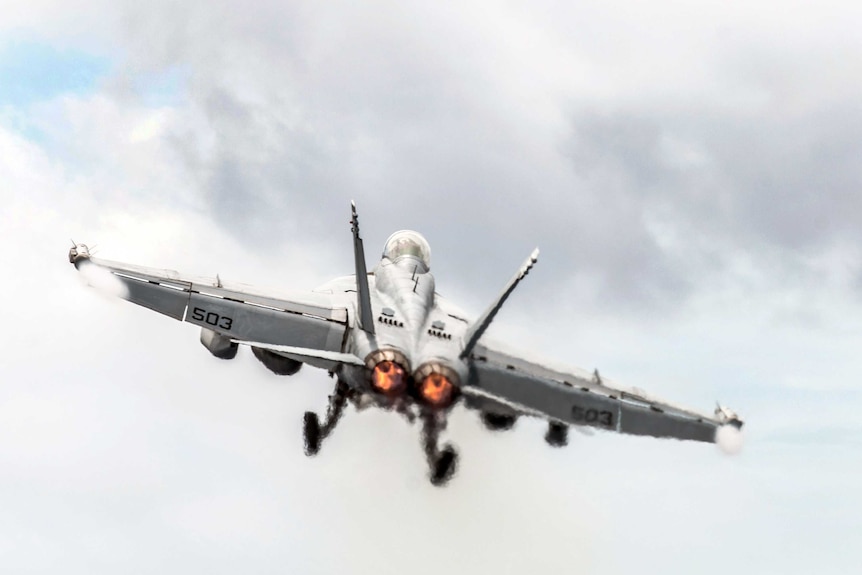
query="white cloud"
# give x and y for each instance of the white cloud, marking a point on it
(126, 447)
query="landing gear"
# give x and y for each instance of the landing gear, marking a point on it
(313, 432)
(442, 463)
(557, 435)
(444, 467)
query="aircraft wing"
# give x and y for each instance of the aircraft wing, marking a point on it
(308, 320)
(506, 384)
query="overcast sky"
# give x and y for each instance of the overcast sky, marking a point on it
(690, 173)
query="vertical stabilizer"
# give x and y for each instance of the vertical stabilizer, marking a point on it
(363, 294)
(475, 331)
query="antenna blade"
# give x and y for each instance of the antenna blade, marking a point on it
(476, 330)
(363, 293)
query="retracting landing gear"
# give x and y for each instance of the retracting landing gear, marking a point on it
(442, 463)
(313, 432)
(557, 435)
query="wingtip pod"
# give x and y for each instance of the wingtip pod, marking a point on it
(78, 253)
(725, 415)
(728, 435)
(94, 275)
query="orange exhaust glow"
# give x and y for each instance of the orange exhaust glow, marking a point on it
(388, 377)
(437, 390)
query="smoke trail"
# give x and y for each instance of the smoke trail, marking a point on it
(729, 439)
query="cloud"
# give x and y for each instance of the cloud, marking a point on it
(396, 118)
(688, 177)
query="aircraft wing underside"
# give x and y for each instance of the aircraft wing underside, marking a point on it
(509, 385)
(303, 319)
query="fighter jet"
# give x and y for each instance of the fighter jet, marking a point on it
(391, 341)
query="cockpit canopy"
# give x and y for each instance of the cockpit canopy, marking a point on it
(408, 244)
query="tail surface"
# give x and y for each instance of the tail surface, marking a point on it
(363, 294)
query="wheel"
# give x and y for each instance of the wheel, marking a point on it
(558, 435)
(444, 467)
(311, 433)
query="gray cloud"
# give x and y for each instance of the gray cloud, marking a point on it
(664, 162)
(305, 107)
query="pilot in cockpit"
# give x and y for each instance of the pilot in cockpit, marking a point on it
(408, 244)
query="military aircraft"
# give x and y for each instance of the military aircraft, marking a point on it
(391, 341)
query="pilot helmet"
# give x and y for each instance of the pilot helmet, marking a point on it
(408, 244)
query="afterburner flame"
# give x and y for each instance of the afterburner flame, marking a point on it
(388, 377)
(437, 390)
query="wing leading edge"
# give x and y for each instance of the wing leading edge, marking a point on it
(303, 319)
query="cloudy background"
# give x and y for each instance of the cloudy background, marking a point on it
(691, 174)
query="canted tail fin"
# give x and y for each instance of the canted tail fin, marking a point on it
(476, 330)
(363, 293)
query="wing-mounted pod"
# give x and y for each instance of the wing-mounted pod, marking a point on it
(224, 347)
(219, 345)
(496, 421)
(276, 363)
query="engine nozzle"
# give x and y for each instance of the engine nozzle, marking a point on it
(388, 377)
(389, 370)
(436, 385)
